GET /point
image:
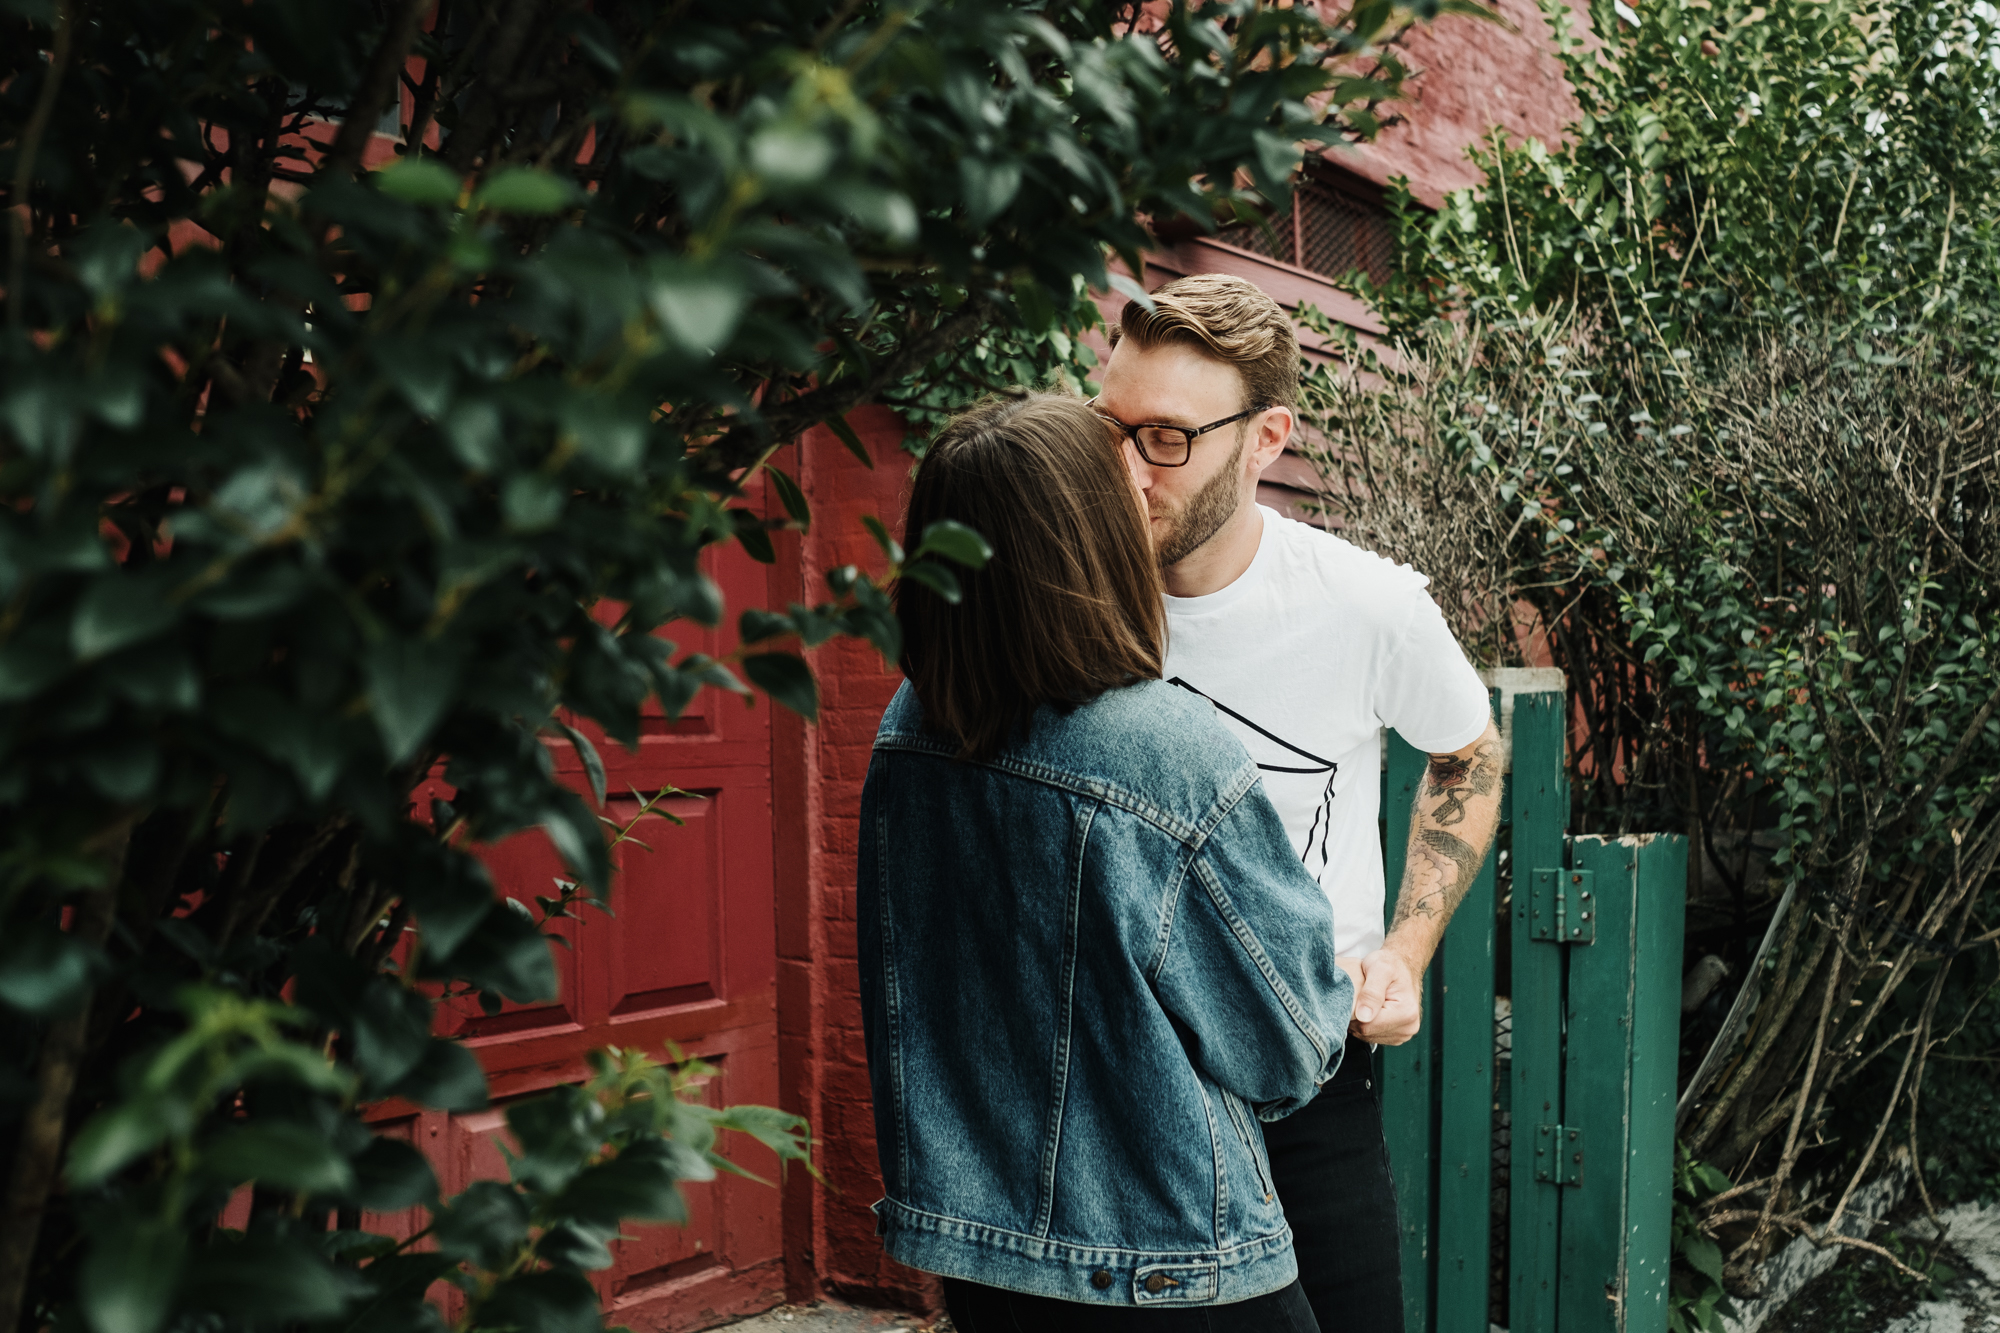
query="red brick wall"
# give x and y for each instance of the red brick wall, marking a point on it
(818, 772)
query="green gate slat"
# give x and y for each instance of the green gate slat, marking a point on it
(1409, 1072)
(1597, 1087)
(1656, 1037)
(1465, 1114)
(1623, 1046)
(1540, 804)
(1465, 1118)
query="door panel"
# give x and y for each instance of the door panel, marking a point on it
(687, 962)
(524, 867)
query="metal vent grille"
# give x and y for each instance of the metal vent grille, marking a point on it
(1339, 234)
(1327, 232)
(1272, 242)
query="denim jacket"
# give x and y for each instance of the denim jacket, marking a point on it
(1088, 968)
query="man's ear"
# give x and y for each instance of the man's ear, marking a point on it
(1274, 431)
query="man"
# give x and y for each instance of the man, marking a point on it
(1307, 646)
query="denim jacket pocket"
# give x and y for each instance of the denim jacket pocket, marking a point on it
(1252, 1135)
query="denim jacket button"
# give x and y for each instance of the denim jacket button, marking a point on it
(1155, 1284)
(1100, 1279)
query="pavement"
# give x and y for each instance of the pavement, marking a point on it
(835, 1317)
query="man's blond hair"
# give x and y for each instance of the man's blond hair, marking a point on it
(1231, 320)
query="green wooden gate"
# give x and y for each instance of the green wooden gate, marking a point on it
(1592, 967)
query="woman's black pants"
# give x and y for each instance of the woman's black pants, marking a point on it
(1331, 1167)
(976, 1308)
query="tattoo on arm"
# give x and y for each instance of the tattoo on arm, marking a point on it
(1443, 865)
(1441, 870)
(1450, 780)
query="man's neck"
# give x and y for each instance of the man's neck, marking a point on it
(1220, 560)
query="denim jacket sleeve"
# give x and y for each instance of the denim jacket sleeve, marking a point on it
(1248, 966)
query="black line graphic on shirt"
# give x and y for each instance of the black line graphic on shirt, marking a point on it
(1322, 825)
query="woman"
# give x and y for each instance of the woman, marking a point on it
(1090, 960)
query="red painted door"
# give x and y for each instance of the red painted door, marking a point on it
(690, 958)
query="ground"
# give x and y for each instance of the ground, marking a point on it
(1864, 1295)
(834, 1317)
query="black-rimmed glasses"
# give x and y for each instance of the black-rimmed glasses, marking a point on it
(1168, 446)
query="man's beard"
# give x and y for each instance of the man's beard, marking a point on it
(1204, 513)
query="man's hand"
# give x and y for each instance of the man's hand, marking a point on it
(1388, 1005)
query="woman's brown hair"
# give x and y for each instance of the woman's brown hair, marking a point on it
(1070, 604)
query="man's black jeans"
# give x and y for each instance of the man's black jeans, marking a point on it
(976, 1308)
(1331, 1168)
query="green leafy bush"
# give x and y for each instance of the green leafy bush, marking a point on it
(1699, 403)
(320, 480)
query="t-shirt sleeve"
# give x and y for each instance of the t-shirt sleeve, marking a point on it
(1427, 690)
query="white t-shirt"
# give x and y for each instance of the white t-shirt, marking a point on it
(1307, 655)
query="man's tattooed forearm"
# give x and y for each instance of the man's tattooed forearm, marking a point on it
(1441, 847)
(1441, 870)
(1452, 780)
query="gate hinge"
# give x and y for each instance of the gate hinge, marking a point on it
(1559, 1154)
(1561, 907)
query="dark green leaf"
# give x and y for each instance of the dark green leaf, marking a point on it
(558, 1133)
(420, 181)
(391, 1026)
(525, 190)
(845, 434)
(935, 577)
(1705, 1257)
(783, 1132)
(593, 765)
(577, 837)
(45, 971)
(448, 1077)
(112, 1138)
(410, 684)
(118, 609)
(954, 541)
(790, 496)
(757, 543)
(786, 679)
(31, 661)
(123, 769)
(637, 1185)
(390, 1175)
(267, 1280)
(890, 546)
(156, 676)
(485, 1224)
(473, 429)
(550, 1302)
(277, 1154)
(532, 502)
(505, 953)
(989, 185)
(698, 306)
(395, 1301)
(128, 1278)
(570, 1245)
(756, 625)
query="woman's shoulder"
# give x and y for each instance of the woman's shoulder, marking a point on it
(1151, 747)
(1155, 741)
